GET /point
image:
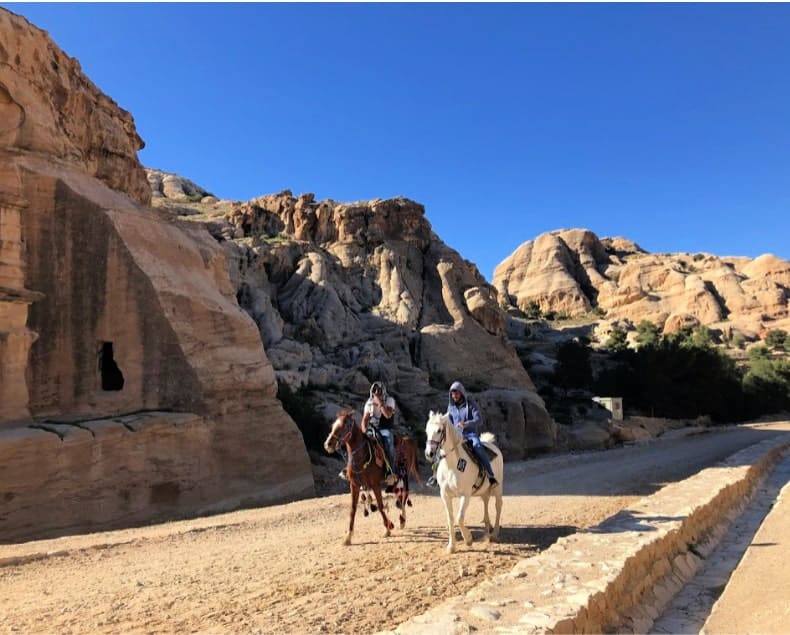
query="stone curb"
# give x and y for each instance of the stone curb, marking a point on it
(619, 575)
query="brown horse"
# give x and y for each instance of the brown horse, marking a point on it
(365, 467)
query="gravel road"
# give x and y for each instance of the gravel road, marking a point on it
(283, 569)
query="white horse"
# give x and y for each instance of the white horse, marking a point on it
(458, 474)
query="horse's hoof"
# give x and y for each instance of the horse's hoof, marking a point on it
(398, 504)
(450, 549)
(366, 512)
(347, 541)
(373, 508)
(408, 502)
(402, 523)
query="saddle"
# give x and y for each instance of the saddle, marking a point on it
(470, 450)
(481, 471)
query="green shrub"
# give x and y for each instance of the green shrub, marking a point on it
(776, 338)
(617, 339)
(647, 333)
(532, 310)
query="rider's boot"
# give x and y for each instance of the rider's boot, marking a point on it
(391, 478)
(343, 474)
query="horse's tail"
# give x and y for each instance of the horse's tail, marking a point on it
(407, 448)
(488, 437)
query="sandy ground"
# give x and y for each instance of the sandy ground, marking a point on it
(283, 569)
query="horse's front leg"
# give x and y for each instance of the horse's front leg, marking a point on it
(486, 517)
(388, 526)
(448, 510)
(354, 500)
(464, 503)
(498, 507)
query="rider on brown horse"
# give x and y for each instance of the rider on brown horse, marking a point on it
(378, 416)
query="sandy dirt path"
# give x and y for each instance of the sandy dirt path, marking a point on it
(283, 569)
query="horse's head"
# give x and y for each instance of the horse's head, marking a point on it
(340, 432)
(435, 433)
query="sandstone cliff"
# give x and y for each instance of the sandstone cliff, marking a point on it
(132, 386)
(573, 273)
(347, 294)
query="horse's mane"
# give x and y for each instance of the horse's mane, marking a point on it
(437, 417)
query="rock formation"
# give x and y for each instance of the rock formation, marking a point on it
(132, 386)
(346, 294)
(573, 273)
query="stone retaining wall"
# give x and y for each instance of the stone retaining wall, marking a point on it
(619, 575)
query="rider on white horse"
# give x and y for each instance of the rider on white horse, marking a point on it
(465, 416)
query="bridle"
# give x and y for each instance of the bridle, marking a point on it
(436, 445)
(343, 437)
(344, 432)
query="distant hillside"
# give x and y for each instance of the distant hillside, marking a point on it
(573, 273)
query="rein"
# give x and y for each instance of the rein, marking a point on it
(443, 439)
(446, 437)
(348, 429)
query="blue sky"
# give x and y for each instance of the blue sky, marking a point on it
(668, 124)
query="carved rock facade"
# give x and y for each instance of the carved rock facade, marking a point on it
(109, 310)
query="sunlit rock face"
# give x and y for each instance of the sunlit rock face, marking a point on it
(347, 294)
(572, 272)
(49, 107)
(109, 309)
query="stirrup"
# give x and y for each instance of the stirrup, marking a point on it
(343, 475)
(432, 482)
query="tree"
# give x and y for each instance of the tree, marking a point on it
(532, 310)
(776, 338)
(692, 337)
(767, 384)
(701, 337)
(617, 339)
(759, 352)
(573, 365)
(647, 333)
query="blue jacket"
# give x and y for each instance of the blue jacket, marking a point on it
(465, 412)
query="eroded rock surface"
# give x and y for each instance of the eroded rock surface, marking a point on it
(573, 272)
(346, 294)
(109, 308)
